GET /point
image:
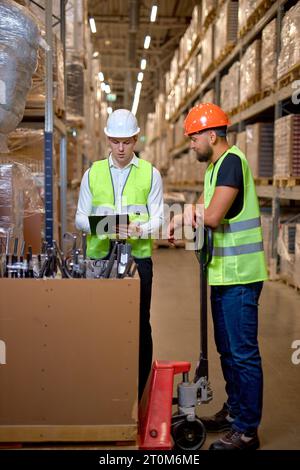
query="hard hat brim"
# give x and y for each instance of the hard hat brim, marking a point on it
(127, 136)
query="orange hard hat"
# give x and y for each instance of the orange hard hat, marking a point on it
(204, 116)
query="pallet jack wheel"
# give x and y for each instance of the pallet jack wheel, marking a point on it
(188, 435)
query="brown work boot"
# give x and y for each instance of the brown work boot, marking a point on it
(219, 422)
(235, 440)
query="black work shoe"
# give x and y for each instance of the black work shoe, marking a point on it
(221, 421)
(235, 440)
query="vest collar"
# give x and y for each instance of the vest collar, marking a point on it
(134, 161)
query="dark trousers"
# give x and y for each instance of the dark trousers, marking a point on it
(235, 317)
(145, 270)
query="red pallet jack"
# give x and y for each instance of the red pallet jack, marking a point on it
(183, 431)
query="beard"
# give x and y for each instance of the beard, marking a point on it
(204, 156)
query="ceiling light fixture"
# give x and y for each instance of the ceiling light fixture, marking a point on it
(147, 42)
(136, 99)
(109, 110)
(153, 13)
(143, 64)
(107, 89)
(101, 76)
(93, 25)
(140, 77)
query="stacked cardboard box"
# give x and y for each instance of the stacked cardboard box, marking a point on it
(259, 149)
(246, 8)
(286, 250)
(208, 48)
(266, 225)
(290, 37)
(229, 88)
(297, 256)
(226, 27)
(268, 56)
(287, 147)
(250, 71)
(241, 141)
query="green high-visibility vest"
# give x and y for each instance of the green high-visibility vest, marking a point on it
(238, 253)
(134, 202)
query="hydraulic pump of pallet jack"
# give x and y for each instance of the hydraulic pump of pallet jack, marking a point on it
(52, 262)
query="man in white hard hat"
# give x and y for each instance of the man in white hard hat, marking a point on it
(123, 183)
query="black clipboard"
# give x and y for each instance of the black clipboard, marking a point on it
(107, 224)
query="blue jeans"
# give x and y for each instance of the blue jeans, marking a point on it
(235, 317)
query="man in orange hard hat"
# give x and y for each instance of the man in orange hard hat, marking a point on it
(235, 274)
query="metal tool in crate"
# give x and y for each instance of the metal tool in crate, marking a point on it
(52, 262)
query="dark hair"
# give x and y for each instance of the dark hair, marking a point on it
(221, 131)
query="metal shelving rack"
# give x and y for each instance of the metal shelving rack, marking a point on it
(49, 121)
(273, 100)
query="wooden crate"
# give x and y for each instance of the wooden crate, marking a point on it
(69, 362)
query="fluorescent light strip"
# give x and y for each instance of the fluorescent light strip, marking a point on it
(101, 76)
(93, 25)
(147, 42)
(143, 64)
(136, 99)
(153, 13)
(140, 77)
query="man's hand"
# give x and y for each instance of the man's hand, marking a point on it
(173, 225)
(128, 231)
(190, 216)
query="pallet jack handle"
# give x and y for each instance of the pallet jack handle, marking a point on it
(204, 257)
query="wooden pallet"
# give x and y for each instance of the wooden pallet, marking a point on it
(250, 101)
(225, 52)
(286, 182)
(290, 283)
(209, 19)
(264, 181)
(290, 76)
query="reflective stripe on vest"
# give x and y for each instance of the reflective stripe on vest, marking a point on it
(238, 226)
(238, 250)
(238, 256)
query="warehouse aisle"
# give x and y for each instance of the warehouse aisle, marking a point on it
(175, 323)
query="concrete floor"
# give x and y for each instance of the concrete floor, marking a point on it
(175, 324)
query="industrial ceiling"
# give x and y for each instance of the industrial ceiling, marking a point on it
(122, 26)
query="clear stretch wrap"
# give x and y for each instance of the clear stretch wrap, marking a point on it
(19, 41)
(290, 38)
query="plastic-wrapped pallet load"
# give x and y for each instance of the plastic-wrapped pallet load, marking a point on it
(19, 198)
(250, 71)
(246, 8)
(290, 38)
(19, 41)
(259, 144)
(287, 147)
(209, 96)
(268, 56)
(75, 89)
(266, 225)
(297, 257)
(286, 250)
(241, 141)
(195, 23)
(229, 87)
(226, 26)
(207, 47)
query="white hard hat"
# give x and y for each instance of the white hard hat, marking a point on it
(121, 123)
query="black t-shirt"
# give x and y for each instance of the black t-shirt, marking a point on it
(231, 174)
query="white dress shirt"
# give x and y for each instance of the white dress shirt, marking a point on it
(119, 178)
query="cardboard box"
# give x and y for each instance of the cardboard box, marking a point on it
(70, 368)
